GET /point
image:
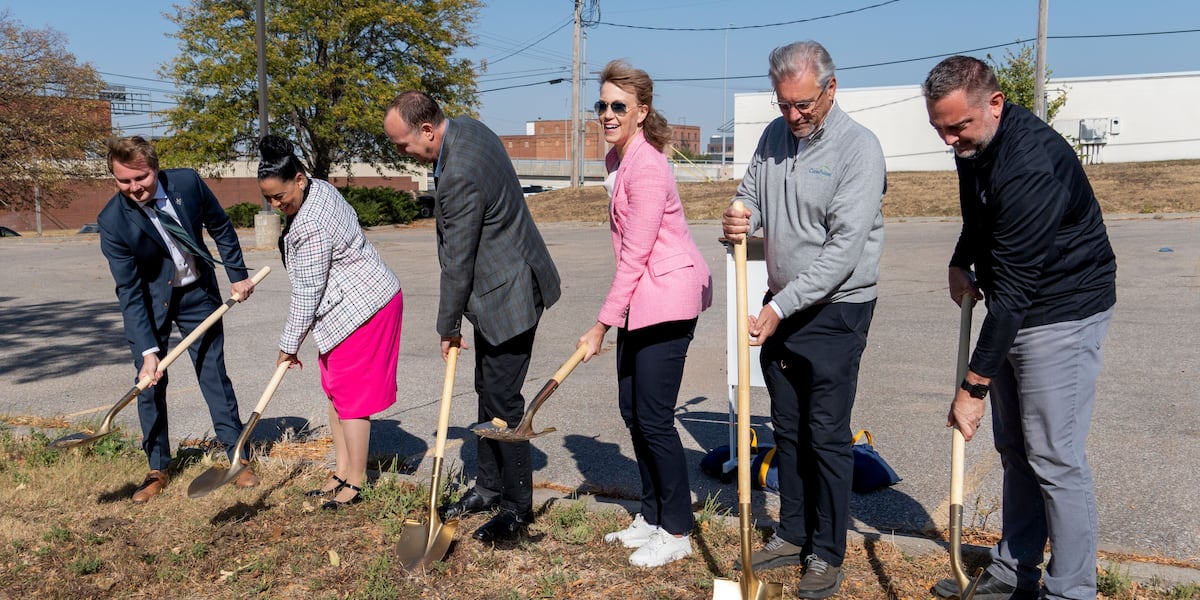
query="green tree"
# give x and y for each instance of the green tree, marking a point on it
(332, 68)
(1017, 77)
(51, 116)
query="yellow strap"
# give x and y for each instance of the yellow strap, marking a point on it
(861, 433)
(764, 466)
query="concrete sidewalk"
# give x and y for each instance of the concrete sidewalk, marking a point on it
(62, 354)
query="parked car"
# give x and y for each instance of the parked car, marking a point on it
(6, 232)
(90, 228)
(530, 190)
(424, 207)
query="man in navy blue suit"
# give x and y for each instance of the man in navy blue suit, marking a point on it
(160, 281)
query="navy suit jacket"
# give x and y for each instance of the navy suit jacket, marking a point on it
(141, 263)
(494, 262)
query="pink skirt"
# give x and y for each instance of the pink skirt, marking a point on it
(359, 374)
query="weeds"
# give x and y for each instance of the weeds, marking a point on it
(85, 566)
(568, 521)
(1111, 582)
(711, 518)
(73, 517)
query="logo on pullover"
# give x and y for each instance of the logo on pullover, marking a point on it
(823, 171)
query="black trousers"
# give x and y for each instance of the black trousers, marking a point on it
(810, 366)
(505, 468)
(649, 372)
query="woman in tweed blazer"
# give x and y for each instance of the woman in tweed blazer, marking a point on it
(346, 297)
(660, 287)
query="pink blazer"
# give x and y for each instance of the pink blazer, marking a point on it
(661, 275)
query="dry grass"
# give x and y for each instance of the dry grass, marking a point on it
(1122, 188)
(68, 530)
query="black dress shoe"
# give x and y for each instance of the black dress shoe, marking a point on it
(335, 489)
(506, 525)
(471, 502)
(336, 504)
(989, 588)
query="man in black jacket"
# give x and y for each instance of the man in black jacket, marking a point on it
(1033, 232)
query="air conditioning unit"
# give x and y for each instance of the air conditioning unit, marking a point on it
(1093, 131)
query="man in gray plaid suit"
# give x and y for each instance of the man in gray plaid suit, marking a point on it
(497, 273)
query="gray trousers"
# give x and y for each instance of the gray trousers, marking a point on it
(1042, 402)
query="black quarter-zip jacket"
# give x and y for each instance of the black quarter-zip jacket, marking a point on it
(1034, 233)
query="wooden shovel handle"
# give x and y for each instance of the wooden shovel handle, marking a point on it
(743, 364)
(203, 327)
(439, 447)
(570, 365)
(280, 370)
(958, 444)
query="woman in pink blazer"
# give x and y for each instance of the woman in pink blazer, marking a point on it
(660, 287)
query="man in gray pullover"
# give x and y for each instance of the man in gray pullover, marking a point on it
(815, 187)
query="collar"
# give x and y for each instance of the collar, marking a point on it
(437, 167)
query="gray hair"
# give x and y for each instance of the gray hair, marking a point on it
(798, 58)
(971, 75)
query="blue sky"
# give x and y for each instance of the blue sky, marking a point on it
(128, 44)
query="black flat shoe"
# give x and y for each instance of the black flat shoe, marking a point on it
(341, 483)
(472, 502)
(506, 525)
(336, 504)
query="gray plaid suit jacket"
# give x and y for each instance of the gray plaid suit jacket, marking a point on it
(493, 259)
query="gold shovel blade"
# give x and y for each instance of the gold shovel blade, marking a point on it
(424, 543)
(728, 589)
(76, 439)
(212, 479)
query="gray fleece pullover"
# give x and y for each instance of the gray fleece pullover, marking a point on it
(821, 211)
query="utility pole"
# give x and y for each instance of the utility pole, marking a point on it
(266, 223)
(724, 97)
(1039, 81)
(576, 82)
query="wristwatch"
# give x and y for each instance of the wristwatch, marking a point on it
(976, 390)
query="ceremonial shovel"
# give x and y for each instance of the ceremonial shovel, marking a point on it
(966, 586)
(216, 477)
(498, 429)
(79, 439)
(422, 544)
(749, 588)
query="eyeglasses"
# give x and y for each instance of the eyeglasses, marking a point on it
(618, 108)
(806, 106)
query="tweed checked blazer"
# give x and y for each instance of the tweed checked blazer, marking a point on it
(494, 262)
(338, 279)
(140, 262)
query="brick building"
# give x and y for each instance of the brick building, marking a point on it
(88, 197)
(550, 140)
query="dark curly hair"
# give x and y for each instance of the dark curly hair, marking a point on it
(278, 159)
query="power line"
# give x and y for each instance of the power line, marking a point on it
(533, 43)
(945, 54)
(733, 28)
(523, 85)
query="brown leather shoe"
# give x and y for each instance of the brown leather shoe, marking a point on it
(247, 478)
(151, 486)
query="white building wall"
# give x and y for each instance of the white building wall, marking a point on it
(1156, 116)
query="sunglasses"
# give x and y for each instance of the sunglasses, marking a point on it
(618, 108)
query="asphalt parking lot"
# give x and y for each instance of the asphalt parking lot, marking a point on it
(62, 354)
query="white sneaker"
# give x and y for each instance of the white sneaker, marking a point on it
(660, 549)
(633, 536)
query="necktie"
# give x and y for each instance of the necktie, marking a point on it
(181, 236)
